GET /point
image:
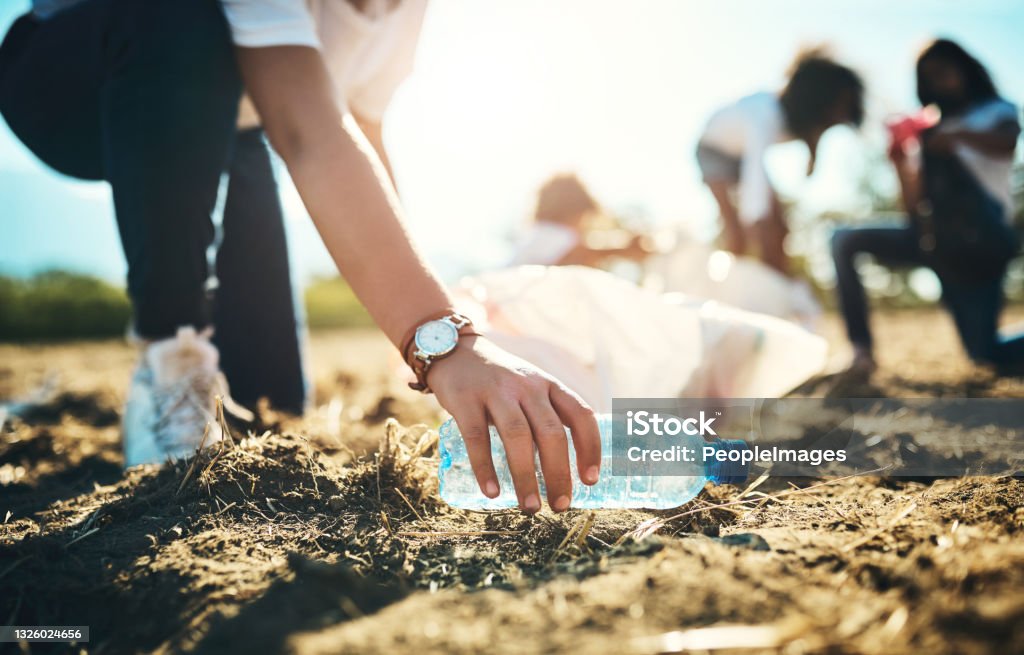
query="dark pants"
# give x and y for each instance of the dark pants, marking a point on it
(145, 96)
(975, 307)
(254, 309)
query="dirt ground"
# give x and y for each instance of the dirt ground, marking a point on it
(325, 534)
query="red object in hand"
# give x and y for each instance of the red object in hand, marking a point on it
(907, 128)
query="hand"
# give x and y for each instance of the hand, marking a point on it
(480, 383)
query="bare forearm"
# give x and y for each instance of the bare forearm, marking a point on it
(355, 210)
(582, 255)
(374, 132)
(343, 185)
(909, 187)
(345, 189)
(998, 143)
(586, 256)
(730, 217)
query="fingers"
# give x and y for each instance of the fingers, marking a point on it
(518, 441)
(549, 435)
(586, 438)
(529, 410)
(472, 424)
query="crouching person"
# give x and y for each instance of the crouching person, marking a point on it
(957, 194)
(145, 95)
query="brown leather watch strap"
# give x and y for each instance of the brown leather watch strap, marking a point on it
(405, 346)
(421, 367)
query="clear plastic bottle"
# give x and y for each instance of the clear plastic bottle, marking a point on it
(459, 488)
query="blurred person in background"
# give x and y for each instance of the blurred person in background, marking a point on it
(560, 231)
(146, 96)
(955, 181)
(609, 337)
(820, 94)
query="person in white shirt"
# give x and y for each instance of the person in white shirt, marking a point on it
(731, 151)
(977, 133)
(145, 95)
(557, 234)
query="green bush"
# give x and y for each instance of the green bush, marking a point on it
(331, 303)
(58, 305)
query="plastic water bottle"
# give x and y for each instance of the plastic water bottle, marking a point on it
(638, 490)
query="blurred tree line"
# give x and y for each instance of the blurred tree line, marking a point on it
(61, 305)
(58, 305)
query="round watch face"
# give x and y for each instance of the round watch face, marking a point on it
(436, 337)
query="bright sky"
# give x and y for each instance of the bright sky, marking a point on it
(509, 91)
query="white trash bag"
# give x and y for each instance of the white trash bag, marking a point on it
(605, 337)
(697, 269)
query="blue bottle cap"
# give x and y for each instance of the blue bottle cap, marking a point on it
(728, 471)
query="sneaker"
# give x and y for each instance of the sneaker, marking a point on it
(171, 399)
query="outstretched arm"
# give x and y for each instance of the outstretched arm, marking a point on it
(373, 130)
(998, 141)
(585, 255)
(348, 195)
(908, 174)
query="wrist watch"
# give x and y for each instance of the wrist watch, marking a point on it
(433, 339)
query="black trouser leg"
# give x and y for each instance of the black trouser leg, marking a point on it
(169, 108)
(254, 312)
(891, 246)
(975, 309)
(144, 95)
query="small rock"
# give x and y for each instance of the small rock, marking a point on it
(336, 503)
(745, 540)
(712, 530)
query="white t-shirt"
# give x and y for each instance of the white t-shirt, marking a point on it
(545, 243)
(368, 53)
(745, 129)
(993, 173)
